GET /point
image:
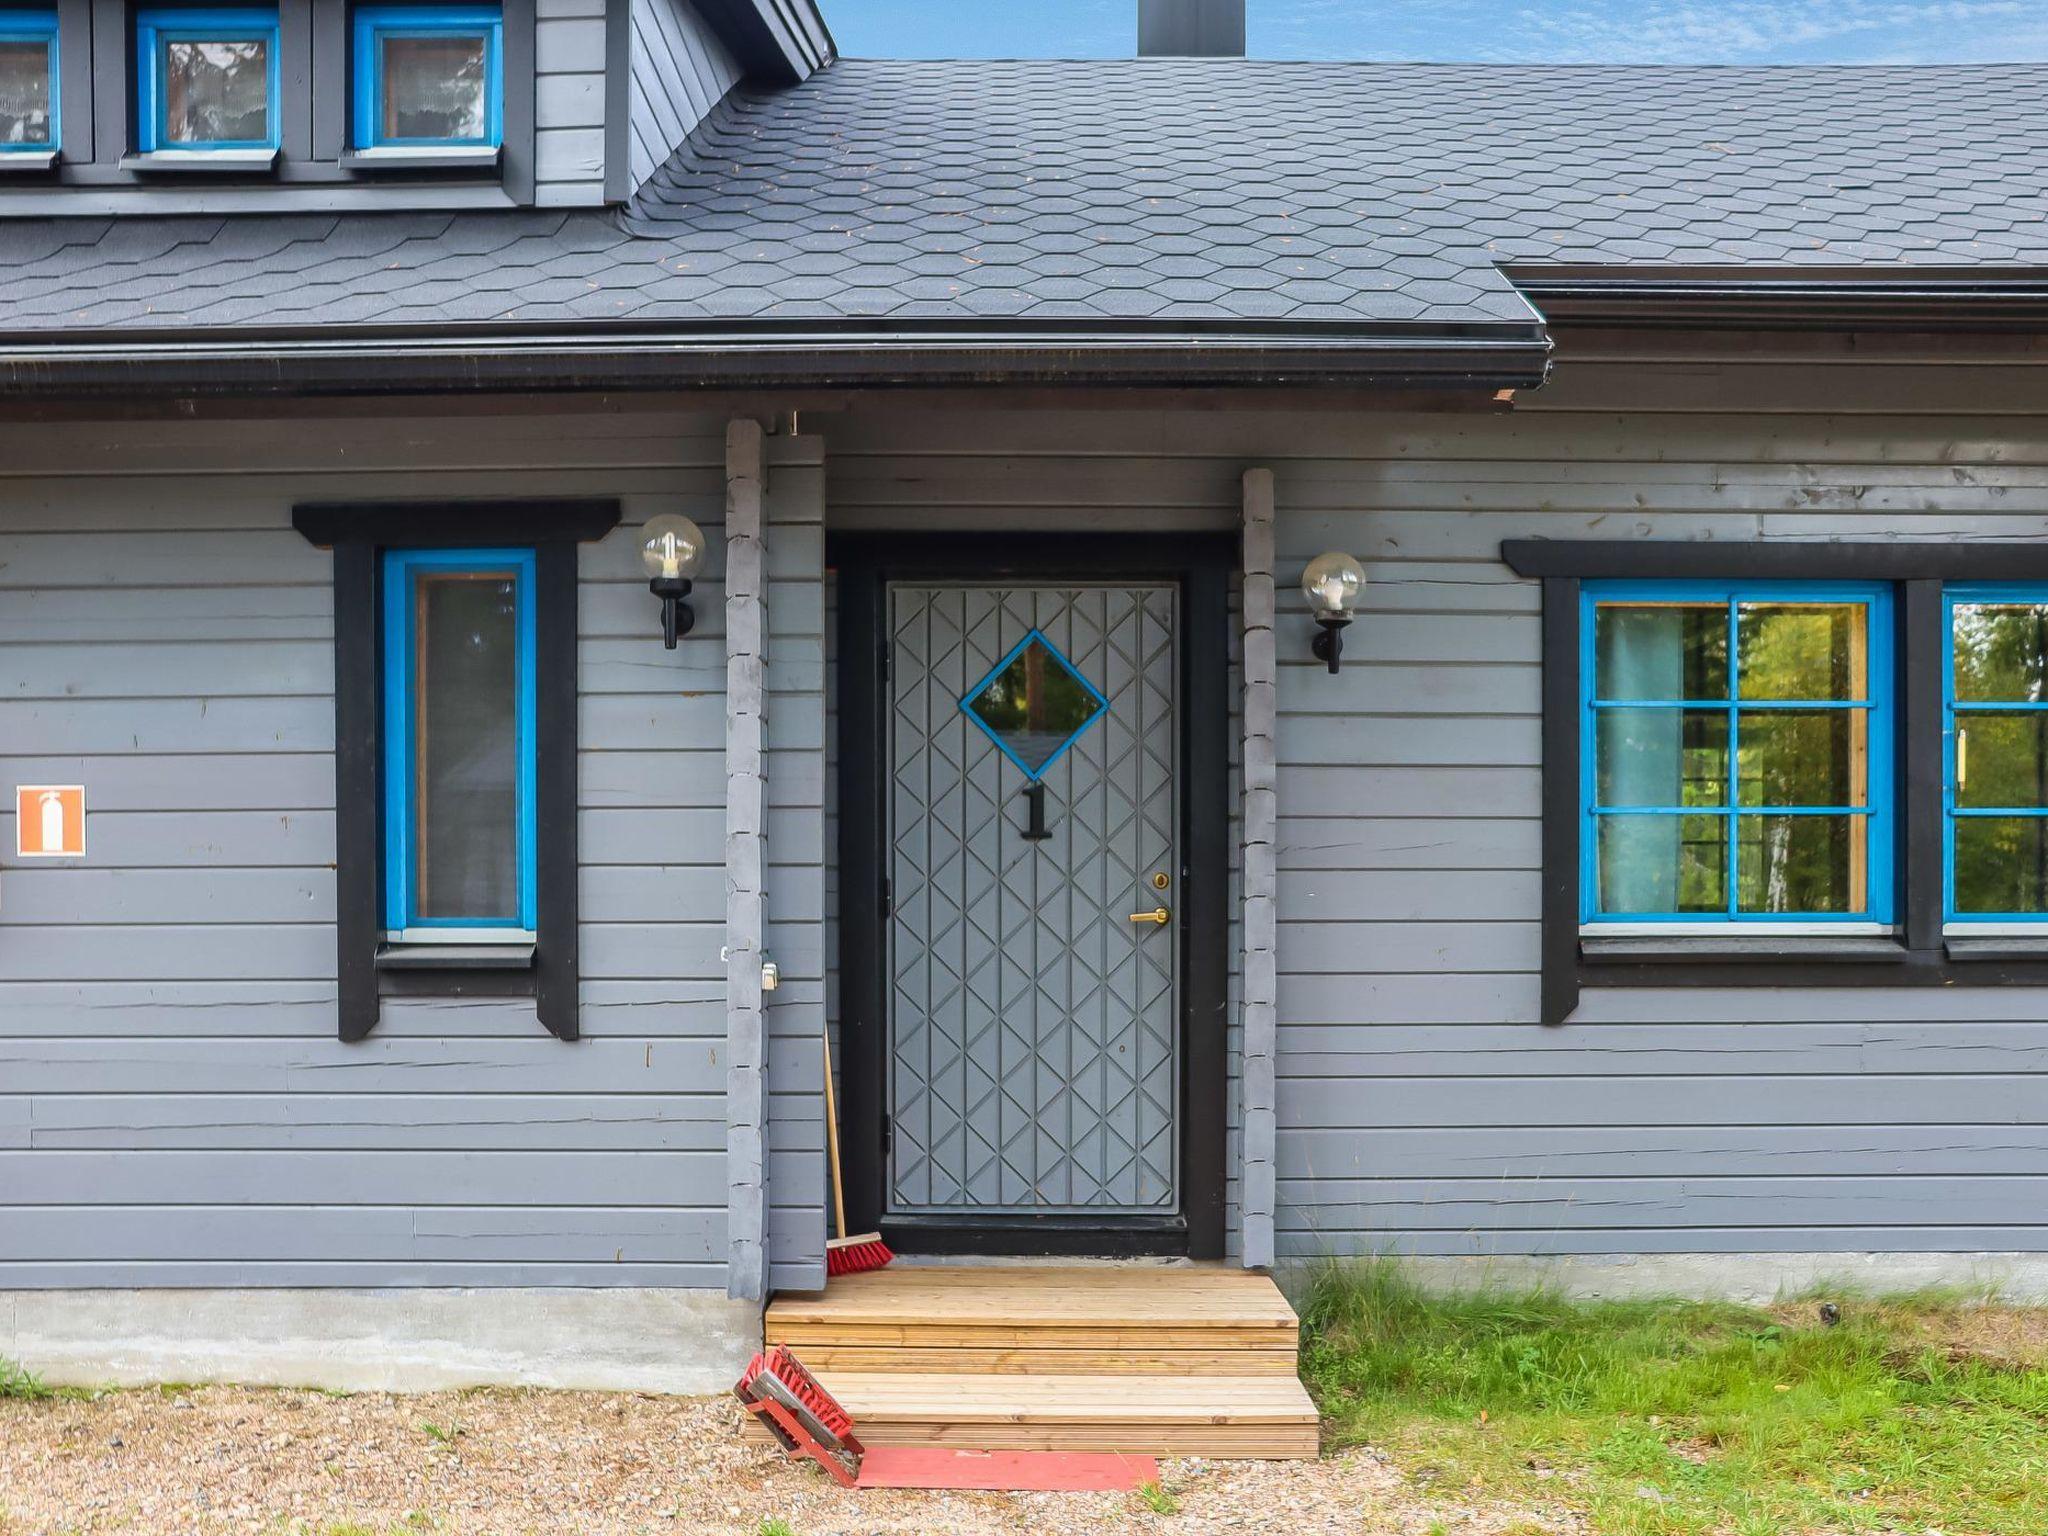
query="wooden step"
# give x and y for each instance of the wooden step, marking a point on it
(981, 1360)
(1183, 1360)
(1179, 1415)
(1106, 1318)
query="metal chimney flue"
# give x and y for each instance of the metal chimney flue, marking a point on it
(1203, 29)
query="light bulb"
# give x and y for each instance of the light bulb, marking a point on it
(671, 547)
(1332, 584)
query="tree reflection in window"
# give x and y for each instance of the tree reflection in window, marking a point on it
(1731, 745)
(1034, 704)
(1997, 755)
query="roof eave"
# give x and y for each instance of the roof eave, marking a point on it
(340, 363)
(1834, 299)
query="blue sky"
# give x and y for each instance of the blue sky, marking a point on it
(1636, 31)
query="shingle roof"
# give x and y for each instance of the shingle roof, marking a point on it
(1176, 192)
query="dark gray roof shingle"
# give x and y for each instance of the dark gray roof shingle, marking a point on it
(1142, 190)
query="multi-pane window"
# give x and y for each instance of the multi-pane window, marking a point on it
(1996, 793)
(459, 743)
(208, 79)
(1738, 754)
(428, 76)
(29, 115)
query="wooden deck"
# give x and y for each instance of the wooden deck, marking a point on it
(1181, 1361)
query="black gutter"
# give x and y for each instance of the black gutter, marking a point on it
(2014, 300)
(370, 360)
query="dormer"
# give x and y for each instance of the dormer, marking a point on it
(158, 106)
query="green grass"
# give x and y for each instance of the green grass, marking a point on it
(442, 1434)
(1157, 1499)
(774, 1525)
(21, 1383)
(1684, 1419)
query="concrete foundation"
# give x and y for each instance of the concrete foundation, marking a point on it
(1755, 1278)
(638, 1340)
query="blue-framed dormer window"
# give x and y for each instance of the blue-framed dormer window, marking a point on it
(428, 77)
(1995, 754)
(459, 744)
(1737, 756)
(31, 114)
(207, 79)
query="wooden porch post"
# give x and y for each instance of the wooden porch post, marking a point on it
(746, 1072)
(1261, 876)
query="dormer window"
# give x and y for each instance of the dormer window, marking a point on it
(28, 83)
(429, 81)
(209, 82)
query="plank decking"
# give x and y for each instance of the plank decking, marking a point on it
(1181, 1361)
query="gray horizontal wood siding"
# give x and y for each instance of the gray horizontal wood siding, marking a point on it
(569, 106)
(1421, 1107)
(174, 1106)
(679, 70)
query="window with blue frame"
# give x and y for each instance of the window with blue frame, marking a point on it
(30, 114)
(207, 79)
(459, 743)
(1995, 749)
(428, 76)
(1737, 754)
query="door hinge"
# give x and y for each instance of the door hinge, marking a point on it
(888, 662)
(888, 1136)
(888, 906)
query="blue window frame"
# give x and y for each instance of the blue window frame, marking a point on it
(1995, 755)
(459, 741)
(1736, 755)
(207, 79)
(31, 105)
(429, 75)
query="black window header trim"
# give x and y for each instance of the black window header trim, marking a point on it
(1806, 560)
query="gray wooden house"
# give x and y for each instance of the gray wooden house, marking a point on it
(1642, 877)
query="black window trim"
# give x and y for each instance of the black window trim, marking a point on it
(1917, 954)
(357, 533)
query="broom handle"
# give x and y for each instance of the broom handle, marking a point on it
(832, 1138)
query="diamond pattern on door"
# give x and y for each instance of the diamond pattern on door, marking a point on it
(1033, 1059)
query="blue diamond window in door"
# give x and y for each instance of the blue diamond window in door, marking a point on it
(1034, 1016)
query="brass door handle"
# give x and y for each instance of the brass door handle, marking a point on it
(1157, 915)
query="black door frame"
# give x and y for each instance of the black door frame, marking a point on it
(1201, 565)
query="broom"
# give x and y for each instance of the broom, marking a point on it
(845, 1255)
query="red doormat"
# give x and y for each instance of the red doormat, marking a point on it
(937, 1466)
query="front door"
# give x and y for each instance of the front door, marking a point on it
(1032, 1063)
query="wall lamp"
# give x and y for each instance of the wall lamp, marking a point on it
(1332, 584)
(672, 547)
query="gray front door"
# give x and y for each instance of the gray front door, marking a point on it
(1033, 1057)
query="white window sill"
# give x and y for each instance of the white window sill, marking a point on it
(1734, 930)
(424, 157)
(202, 162)
(1741, 947)
(456, 949)
(454, 935)
(27, 162)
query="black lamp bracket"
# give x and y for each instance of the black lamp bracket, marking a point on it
(1328, 644)
(676, 618)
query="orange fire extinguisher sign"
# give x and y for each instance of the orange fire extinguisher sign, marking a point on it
(49, 821)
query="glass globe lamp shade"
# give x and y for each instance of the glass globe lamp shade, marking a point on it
(1332, 584)
(671, 547)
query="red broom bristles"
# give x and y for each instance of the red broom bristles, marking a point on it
(856, 1255)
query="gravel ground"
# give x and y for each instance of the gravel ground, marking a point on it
(219, 1459)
